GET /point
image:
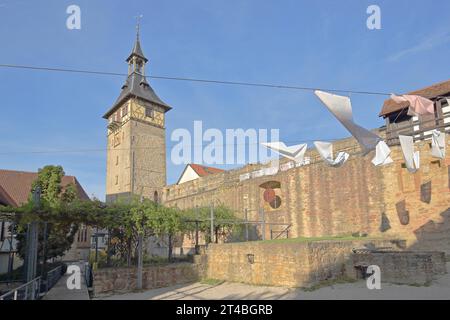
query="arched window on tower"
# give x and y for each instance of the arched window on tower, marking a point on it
(155, 197)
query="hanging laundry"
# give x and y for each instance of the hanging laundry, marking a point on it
(295, 153)
(438, 144)
(382, 154)
(417, 104)
(412, 159)
(341, 108)
(325, 150)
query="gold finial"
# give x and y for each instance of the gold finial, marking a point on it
(138, 25)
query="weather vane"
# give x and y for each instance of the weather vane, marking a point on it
(138, 24)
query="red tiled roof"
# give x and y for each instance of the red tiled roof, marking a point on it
(15, 186)
(431, 92)
(203, 170)
(5, 199)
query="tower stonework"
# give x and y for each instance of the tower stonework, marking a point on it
(136, 153)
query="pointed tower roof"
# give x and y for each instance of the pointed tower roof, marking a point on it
(137, 50)
(136, 84)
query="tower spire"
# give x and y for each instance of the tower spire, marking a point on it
(137, 55)
(138, 26)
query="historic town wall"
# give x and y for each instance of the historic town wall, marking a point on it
(306, 264)
(121, 280)
(317, 200)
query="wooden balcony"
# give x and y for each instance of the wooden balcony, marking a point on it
(419, 127)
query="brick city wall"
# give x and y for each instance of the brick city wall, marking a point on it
(121, 280)
(317, 200)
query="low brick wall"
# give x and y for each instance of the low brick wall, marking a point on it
(121, 280)
(291, 264)
(405, 267)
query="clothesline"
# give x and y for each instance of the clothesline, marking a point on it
(340, 107)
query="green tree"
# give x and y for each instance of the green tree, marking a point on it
(165, 221)
(60, 231)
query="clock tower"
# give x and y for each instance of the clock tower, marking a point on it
(136, 153)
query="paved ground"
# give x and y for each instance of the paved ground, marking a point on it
(61, 292)
(439, 289)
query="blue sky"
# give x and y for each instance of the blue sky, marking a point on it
(306, 43)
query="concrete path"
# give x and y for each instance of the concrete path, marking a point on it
(439, 289)
(61, 292)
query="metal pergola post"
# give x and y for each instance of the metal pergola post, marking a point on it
(212, 223)
(246, 224)
(263, 224)
(32, 240)
(197, 249)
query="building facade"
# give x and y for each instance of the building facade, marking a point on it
(136, 156)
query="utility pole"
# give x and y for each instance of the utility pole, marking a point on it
(212, 222)
(140, 245)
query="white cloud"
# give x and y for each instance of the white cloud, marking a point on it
(426, 44)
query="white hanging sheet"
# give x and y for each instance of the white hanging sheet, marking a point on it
(382, 154)
(295, 153)
(412, 158)
(341, 108)
(438, 144)
(325, 150)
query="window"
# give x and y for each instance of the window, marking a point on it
(117, 180)
(149, 112)
(124, 111)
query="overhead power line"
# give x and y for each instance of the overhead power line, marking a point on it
(236, 83)
(93, 150)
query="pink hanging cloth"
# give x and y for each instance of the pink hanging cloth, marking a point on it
(417, 104)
